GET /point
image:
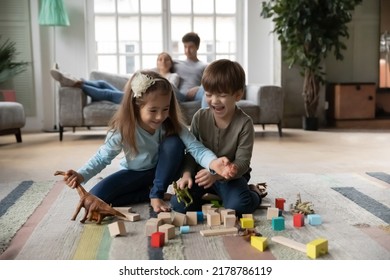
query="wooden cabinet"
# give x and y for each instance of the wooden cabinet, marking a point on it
(353, 101)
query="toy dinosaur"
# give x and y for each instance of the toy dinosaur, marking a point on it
(302, 207)
(95, 208)
(183, 195)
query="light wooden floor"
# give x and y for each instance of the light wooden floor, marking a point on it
(298, 151)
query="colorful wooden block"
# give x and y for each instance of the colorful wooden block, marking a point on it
(219, 231)
(278, 223)
(316, 248)
(152, 225)
(298, 220)
(279, 203)
(184, 229)
(192, 218)
(225, 212)
(272, 212)
(259, 242)
(200, 216)
(166, 217)
(247, 223)
(117, 228)
(168, 230)
(314, 219)
(206, 207)
(213, 219)
(179, 219)
(229, 220)
(157, 239)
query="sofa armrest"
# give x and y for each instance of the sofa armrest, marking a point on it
(252, 93)
(71, 104)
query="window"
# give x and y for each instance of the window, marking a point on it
(129, 34)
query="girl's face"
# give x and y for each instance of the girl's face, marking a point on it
(155, 111)
(164, 63)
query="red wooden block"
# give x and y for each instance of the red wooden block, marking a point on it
(299, 220)
(157, 239)
(279, 203)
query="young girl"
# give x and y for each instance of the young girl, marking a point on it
(148, 129)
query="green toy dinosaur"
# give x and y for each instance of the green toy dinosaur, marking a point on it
(183, 195)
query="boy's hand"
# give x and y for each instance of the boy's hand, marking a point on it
(224, 167)
(205, 179)
(185, 181)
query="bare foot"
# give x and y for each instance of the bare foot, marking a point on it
(260, 189)
(159, 205)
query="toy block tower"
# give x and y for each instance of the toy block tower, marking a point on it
(298, 220)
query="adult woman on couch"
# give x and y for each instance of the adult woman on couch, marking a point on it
(100, 90)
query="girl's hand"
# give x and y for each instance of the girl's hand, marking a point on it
(224, 167)
(72, 178)
(205, 179)
(159, 205)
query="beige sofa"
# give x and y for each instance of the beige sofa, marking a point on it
(264, 104)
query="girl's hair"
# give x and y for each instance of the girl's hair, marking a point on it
(128, 115)
(169, 57)
(224, 76)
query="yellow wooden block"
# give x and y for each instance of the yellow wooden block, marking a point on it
(247, 223)
(259, 242)
(316, 248)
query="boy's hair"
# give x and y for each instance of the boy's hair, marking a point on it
(223, 76)
(191, 37)
(128, 115)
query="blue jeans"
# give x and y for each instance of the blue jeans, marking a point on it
(235, 194)
(181, 97)
(101, 90)
(130, 186)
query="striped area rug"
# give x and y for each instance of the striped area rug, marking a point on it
(347, 223)
(18, 200)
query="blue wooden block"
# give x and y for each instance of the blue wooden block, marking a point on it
(199, 216)
(314, 219)
(278, 223)
(184, 229)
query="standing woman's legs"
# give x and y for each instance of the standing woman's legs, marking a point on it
(170, 159)
(101, 90)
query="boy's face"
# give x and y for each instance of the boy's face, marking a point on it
(190, 50)
(222, 105)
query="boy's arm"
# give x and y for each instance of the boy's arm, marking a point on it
(243, 154)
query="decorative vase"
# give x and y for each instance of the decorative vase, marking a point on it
(310, 123)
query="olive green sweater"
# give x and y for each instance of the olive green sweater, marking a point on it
(235, 141)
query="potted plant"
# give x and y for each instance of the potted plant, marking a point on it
(308, 30)
(8, 66)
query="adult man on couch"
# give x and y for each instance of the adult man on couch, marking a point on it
(190, 70)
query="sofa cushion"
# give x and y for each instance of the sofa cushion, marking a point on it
(188, 109)
(99, 113)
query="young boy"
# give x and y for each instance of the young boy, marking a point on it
(227, 131)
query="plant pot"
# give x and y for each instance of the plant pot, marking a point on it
(310, 123)
(8, 95)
